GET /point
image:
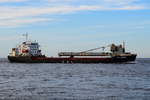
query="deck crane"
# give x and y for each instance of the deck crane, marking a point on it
(87, 52)
(103, 48)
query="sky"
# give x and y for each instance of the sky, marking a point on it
(75, 25)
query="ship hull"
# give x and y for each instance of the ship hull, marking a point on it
(28, 59)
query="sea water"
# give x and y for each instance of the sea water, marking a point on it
(129, 81)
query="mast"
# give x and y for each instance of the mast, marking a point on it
(26, 36)
(123, 46)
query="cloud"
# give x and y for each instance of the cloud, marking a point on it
(100, 2)
(2, 1)
(61, 0)
(14, 12)
(20, 22)
(20, 15)
(120, 2)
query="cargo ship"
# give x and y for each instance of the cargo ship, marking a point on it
(29, 52)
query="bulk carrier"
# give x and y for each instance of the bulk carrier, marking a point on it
(29, 52)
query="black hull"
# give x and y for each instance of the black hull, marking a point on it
(28, 59)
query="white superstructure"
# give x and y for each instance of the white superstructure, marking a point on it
(27, 48)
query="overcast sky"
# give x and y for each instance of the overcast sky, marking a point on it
(75, 25)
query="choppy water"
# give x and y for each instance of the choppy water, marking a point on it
(75, 81)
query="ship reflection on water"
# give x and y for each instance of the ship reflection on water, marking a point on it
(75, 81)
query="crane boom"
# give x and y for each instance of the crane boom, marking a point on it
(103, 47)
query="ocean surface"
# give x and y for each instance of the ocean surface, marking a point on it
(130, 81)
